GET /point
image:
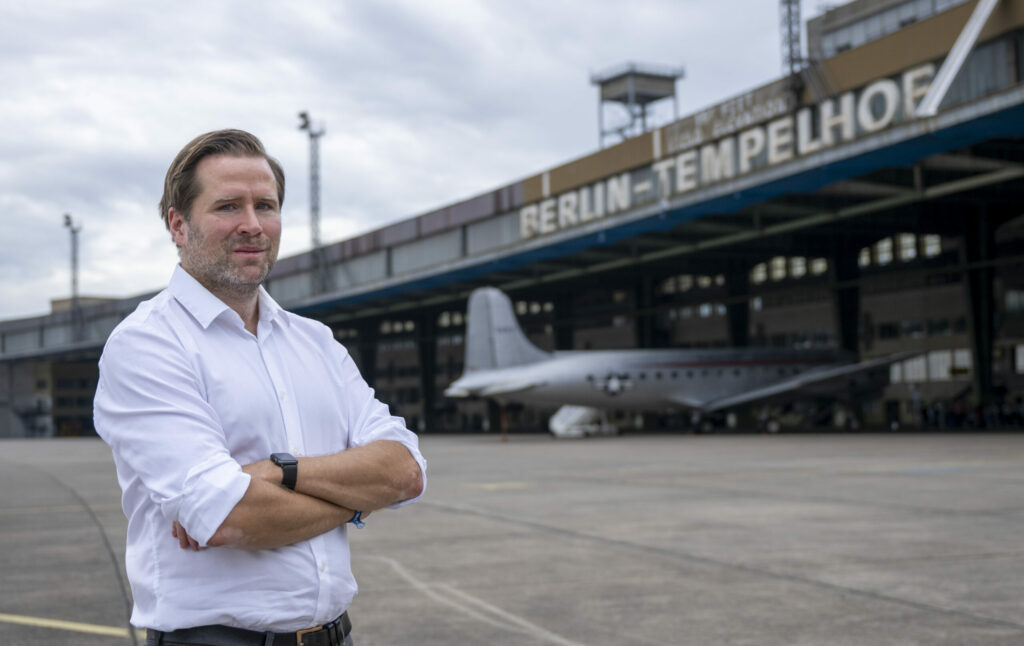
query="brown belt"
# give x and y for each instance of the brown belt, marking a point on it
(330, 634)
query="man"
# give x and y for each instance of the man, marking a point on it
(244, 438)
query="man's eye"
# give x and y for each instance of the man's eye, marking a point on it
(226, 207)
(265, 207)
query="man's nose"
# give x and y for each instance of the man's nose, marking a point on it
(249, 223)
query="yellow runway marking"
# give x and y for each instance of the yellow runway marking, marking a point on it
(73, 626)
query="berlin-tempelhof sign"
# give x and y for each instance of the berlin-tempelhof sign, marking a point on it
(733, 149)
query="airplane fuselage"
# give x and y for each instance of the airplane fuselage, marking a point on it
(639, 378)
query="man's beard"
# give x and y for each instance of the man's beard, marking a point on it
(217, 273)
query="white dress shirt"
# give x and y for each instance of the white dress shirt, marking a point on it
(186, 396)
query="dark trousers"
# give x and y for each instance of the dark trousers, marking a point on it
(326, 635)
(153, 641)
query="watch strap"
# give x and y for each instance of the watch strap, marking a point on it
(289, 467)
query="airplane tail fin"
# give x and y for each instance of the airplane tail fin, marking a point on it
(493, 336)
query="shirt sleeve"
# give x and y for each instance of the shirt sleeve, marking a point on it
(150, 409)
(367, 418)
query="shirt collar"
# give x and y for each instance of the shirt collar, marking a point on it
(270, 311)
(205, 307)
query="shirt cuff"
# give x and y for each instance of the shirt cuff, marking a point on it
(422, 462)
(212, 490)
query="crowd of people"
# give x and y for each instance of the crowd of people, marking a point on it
(958, 414)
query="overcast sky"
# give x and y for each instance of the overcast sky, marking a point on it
(425, 104)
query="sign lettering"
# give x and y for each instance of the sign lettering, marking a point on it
(764, 139)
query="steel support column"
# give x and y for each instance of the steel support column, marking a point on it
(7, 401)
(494, 416)
(564, 320)
(846, 296)
(643, 308)
(979, 247)
(737, 285)
(368, 332)
(426, 342)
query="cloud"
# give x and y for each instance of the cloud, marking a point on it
(425, 104)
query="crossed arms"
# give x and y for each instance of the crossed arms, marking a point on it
(158, 408)
(327, 492)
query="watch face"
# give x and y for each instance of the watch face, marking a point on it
(282, 459)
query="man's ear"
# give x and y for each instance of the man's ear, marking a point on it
(178, 225)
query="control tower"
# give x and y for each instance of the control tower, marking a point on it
(634, 86)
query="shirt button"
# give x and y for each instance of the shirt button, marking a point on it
(282, 395)
(323, 566)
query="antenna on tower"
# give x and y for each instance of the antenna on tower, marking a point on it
(789, 22)
(793, 61)
(321, 276)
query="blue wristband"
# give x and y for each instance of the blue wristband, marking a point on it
(357, 520)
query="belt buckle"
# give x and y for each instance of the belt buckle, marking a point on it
(300, 633)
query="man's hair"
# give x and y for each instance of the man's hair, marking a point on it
(181, 187)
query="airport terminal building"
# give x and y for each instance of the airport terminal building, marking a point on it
(869, 202)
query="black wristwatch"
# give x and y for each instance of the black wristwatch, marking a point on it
(289, 465)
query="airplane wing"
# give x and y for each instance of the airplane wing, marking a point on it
(825, 382)
(509, 388)
(496, 389)
(688, 402)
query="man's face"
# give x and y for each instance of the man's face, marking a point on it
(230, 242)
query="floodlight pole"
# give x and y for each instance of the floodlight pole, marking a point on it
(321, 276)
(77, 327)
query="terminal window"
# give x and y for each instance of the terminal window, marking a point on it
(908, 246)
(1014, 300)
(883, 251)
(759, 274)
(888, 330)
(939, 364)
(797, 267)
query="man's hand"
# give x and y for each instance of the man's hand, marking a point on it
(265, 470)
(184, 540)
